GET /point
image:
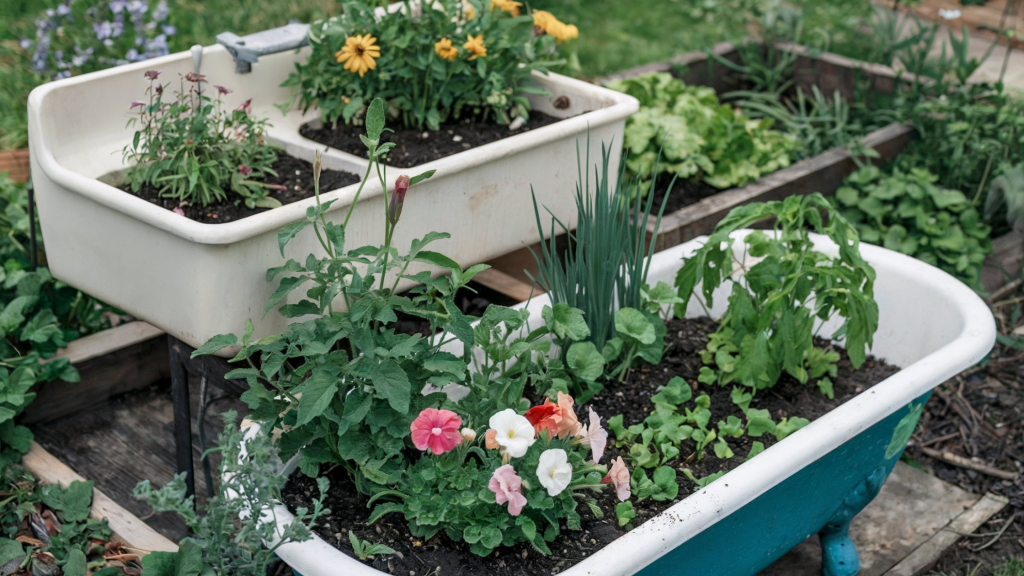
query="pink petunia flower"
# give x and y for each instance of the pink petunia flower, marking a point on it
(595, 436)
(569, 425)
(618, 477)
(506, 485)
(436, 430)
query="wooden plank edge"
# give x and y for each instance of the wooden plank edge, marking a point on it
(107, 341)
(926, 555)
(510, 286)
(704, 215)
(127, 527)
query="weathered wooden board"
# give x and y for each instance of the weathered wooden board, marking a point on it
(127, 528)
(823, 173)
(112, 362)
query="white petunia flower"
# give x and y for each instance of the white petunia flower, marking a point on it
(513, 432)
(554, 471)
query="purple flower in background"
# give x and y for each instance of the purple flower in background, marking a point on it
(158, 46)
(162, 11)
(63, 9)
(152, 74)
(132, 55)
(169, 30)
(118, 27)
(103, 30)
(25, 43)
(117, 6)
(62, 75)
(137, 7)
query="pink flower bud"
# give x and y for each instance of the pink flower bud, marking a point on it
(245, 106)
(398, 199)
(136, 105)
(194, 77)
(222, 90)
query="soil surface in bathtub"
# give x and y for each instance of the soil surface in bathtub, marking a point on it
(294, 174)
(440, 556)
(416, 147)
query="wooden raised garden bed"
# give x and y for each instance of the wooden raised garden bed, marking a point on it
(124, 358)
(15, 163)
(823, 173)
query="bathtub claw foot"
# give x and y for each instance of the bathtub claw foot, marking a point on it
(839, 555)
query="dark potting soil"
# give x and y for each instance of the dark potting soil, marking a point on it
(684, 193)
(440, 556)
(294, 174)
(416, 147)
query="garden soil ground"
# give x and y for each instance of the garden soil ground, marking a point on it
(686, 338)
(294, 174)
(416, 147)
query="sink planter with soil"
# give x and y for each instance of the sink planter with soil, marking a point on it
(696, 207)
(196, 279)
(814, 480)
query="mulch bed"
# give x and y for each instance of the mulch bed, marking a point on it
(416, 147)
(294, 174)
(979, 415)
(440, 556)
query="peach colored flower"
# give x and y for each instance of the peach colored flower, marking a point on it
(618, 476)
(489, 442)
(569, 424)
(545, 418)
(436, 430)
(595, 436)
(506, 485)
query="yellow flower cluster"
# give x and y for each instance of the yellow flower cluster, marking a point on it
(475, 46)
(445, 50)
(507, 6)
(547, 23)
(359, 54)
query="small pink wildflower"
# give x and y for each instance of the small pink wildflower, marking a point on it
(245, 170)
(506, 485)
(177, 210)
(222, 90)
(618, 477)
(194, 77)
(136, 105)
(245, 106)
(436, 430)
(152, 74)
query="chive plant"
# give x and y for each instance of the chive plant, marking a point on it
(605, 266)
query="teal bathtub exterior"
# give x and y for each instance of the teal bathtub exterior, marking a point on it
(830, 491)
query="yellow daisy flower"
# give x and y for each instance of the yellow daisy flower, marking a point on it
(475, 46)
(445, 50)
(545, 23)
(359, 54)
(507, 6)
